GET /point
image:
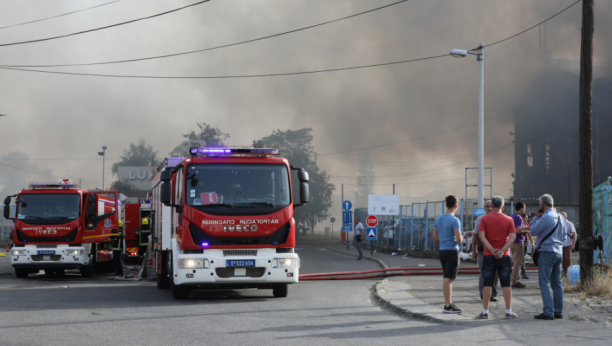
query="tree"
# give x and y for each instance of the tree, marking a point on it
(208, 136)
(296, 146)
(365, 180)
(123, 187)
(140, 154)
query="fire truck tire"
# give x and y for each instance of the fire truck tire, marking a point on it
(178, 292)
(21, 273)
(280, 290)
(163, 281)
(89, 270)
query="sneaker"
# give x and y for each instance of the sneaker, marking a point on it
(360, 259)
(406, 255)
(558, 316)
(525, 277)
(512, 315)
(493, 299)
(519, 285)
(543, 317)
(483, 316)
(452, 309)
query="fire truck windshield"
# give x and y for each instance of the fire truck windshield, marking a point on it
(48, 208)
(237, 186)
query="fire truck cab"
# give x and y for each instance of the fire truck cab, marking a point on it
(224, 218)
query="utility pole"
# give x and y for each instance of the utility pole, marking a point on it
(585, 195)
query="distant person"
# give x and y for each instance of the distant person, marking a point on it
(529, 239)
(142, 235)
(497, 233)
(358, 237)
(116, 246)
(447, 229)
(478, 253)
(570, 243)
(518, 248)
(549, 228)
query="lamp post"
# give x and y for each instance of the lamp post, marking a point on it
(479, 52)
(103, 154)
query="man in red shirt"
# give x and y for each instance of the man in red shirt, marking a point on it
(497, 233)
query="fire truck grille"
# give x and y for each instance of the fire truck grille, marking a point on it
(51, 257)
(22, 237)
(277, 238)
(46, 246)
(227, 253)
(250, 272)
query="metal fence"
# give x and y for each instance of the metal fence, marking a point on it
(412, 229)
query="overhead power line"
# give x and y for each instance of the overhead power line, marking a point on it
(245, 76)
(228, 76)
(104, 27)
(535, 26)
(216, 47)
(57, 16)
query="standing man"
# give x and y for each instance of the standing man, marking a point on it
(142, 235)
(529, 239)
(447, 229)
(497, 233)
(549, 228)
(518, 250)
(478, 253)
(359, 237)
(570, 243)
(116, 244)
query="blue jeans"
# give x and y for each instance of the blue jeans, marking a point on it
(549, 275)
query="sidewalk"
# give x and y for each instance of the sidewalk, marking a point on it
(421, 296)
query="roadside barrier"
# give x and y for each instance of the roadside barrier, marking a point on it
(405, 271)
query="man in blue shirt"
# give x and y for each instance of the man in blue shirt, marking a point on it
(447, 229)
(548, 221)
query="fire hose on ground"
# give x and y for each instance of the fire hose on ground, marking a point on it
(383, 273)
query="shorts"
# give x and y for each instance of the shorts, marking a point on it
(450, 263)
(490, 265)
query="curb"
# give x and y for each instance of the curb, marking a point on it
(380, 262)
(405, 312)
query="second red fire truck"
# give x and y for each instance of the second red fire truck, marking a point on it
(224, 218)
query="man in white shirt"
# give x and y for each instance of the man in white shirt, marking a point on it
(358, 237)
(569, 244)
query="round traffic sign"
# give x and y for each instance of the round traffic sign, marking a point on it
(372, 221)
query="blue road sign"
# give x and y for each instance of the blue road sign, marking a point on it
(479, 212)
(371, 233)
(347, 229)
(347, 205)
(347, 218)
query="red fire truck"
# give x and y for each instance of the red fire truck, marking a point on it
(224, 218)
(132, 214)
(58, 227)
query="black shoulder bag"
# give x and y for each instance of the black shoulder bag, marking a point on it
(536, 252)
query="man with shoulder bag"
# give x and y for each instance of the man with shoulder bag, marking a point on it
(549, 227)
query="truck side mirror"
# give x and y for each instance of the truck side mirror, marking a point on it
(7, 212)
(7, 200)
(304, 193)
(303, 176)
(166, 175)
(165, 195)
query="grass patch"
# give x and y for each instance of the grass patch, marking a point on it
(600, 286)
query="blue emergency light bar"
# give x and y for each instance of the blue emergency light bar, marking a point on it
(233, 151)
(53, 186)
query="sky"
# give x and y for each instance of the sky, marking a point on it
(56, 124)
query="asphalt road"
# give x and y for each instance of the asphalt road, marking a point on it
(43, 310)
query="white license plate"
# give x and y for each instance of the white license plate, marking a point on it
(239, 271)
(46, 258)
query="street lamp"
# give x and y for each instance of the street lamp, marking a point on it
(479, 52)
(103, 154)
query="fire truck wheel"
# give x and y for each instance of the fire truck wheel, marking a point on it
(178, 291)
(280, 290)
(21, 273)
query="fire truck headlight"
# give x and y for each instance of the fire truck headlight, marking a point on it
(72, 252)
(193, 263)
(19, 252)
(285, 263)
